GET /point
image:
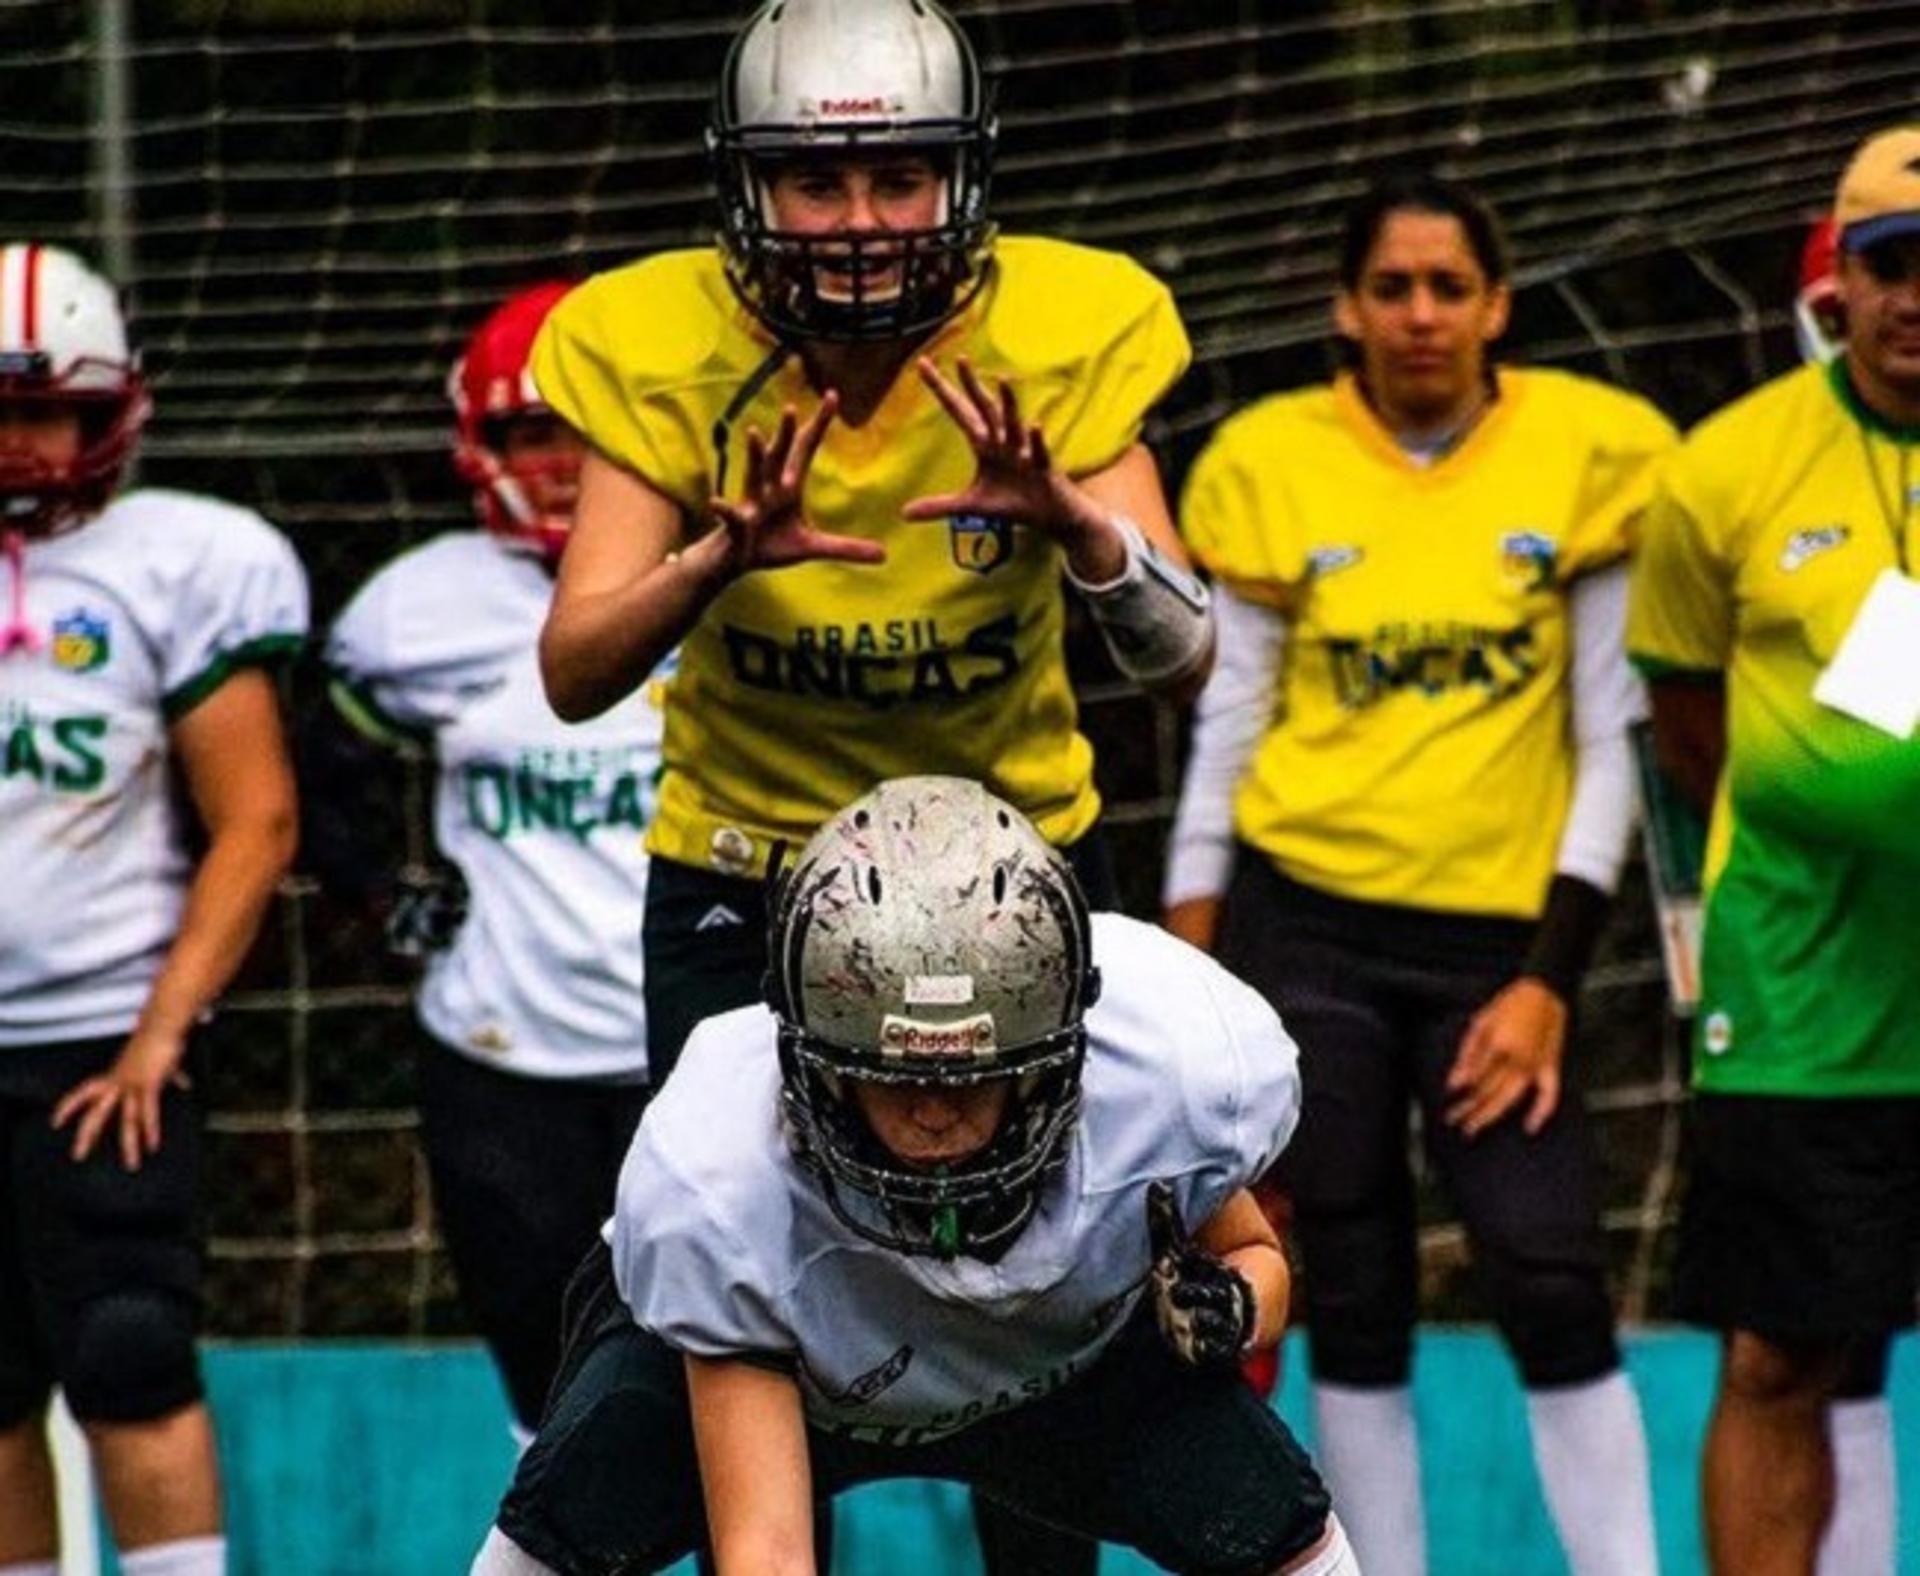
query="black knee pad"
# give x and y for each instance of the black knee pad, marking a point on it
(130, 1358)
(1559, 1324)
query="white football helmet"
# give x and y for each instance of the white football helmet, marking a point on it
(819, 78)
(928, 934)
(63, 342)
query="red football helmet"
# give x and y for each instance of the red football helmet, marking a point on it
(1819, 315)
(63, 343)
(526, 498)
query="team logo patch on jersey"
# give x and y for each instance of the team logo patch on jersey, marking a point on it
(1811, 543)
(1324, 561)
(80, 642)
(1529, 558)
(979, 543)
(876, 1381)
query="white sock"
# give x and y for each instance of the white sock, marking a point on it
(1591, 1449)
(1367, 1449)
(183, 1557)
(501, 1556)
(32, 1568)
(1334, 1559)
(1859, 1540)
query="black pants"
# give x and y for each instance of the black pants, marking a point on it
(705, 940)
(1189, 1468)
(523, 1178)
(99, 1266)
(1378, 999)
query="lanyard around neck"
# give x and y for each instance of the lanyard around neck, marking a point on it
(1897, 510)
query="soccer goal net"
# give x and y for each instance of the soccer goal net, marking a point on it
(314, 200)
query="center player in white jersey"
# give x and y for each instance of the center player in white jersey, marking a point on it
(136, 630)
(938, 1233)
(538, 1071)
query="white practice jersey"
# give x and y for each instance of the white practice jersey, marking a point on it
(724, 1245)
(545, 819)
(139, 614)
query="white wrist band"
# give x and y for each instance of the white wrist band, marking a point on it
(1156, 619)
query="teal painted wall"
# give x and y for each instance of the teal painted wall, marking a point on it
(385, 1460)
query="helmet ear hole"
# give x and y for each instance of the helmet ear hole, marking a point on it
(999, 884)
(873, 882)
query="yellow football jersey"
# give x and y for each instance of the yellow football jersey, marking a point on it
(1770, 526)
(802, 687)
(1420, 754)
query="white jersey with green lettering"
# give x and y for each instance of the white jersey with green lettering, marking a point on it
(723, 1245)
(127, 623)
(545, 819)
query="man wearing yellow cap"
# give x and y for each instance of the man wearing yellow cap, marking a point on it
(1777, 617)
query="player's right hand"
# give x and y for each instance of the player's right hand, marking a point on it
(767, 526)
(124, 1101)
(1205, 1307)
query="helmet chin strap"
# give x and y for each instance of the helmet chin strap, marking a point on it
(18, 634)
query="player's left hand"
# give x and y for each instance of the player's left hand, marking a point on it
(1206, 1309)
(1016, 479)
(1511, 1050)
(130, 1090)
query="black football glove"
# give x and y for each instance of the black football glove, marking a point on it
(1205, 1307)
(428, 908)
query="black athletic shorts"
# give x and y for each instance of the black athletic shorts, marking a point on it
(1801, 1220)
(704, 936)
(1189, 1468)
(523, 1172)
(1378, 997)
(89, 1246)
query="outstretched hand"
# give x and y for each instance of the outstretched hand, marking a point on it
(767, 526)
(1511, 1049)
(1015, 478)
(1206, 1308)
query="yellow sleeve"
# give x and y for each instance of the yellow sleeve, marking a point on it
(585, 364)
(1680, 610)
(1239, 531)
(1629, 439)
(1122, 378)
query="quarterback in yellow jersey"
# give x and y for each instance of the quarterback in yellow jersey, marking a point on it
(841, 463)
(1777, 616)
(1412, 789)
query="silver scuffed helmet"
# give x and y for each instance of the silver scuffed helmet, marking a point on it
(928, 934)
(827, 78)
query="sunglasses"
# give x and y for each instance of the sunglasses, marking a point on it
(1893, 261)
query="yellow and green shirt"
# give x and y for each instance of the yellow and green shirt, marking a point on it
(1772, 523)
(802, 687)
(1420, 753)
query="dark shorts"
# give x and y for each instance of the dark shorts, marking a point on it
(704, 936)
(1801, 1221)
(1378, 998)
(524, 1171)
(1188, 1468)
(99, 1266)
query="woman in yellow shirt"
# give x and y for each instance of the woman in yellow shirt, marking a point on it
(1412, 763)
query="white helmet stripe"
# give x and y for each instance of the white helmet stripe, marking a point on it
(13, 296)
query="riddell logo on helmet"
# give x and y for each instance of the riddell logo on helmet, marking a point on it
(964, 1037)
(874, 105)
